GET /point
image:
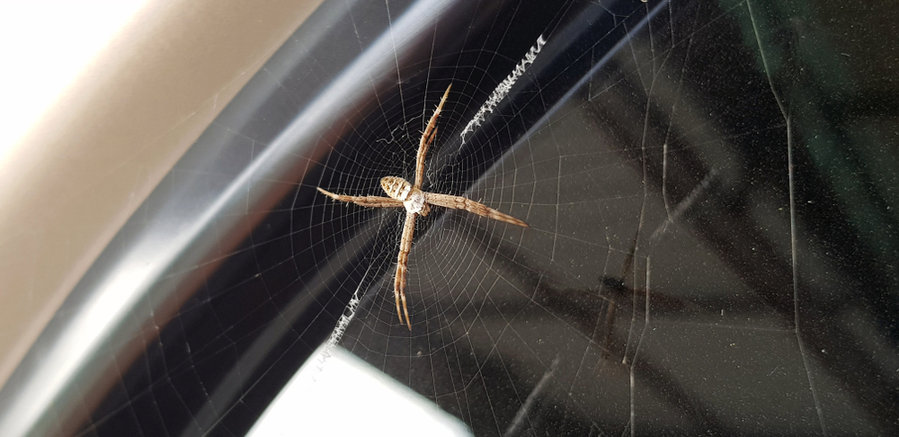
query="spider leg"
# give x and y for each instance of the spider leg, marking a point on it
(371, 201)
(459, 202)
(426, 138)
(402, 259)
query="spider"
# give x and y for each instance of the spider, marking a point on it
(417, 202)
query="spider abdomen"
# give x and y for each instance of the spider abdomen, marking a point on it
(400, 189)
(396, 187)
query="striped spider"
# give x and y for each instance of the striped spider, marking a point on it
(417, 202)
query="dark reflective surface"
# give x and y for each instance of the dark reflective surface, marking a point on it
(711, 190)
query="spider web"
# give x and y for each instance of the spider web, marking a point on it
(702, 255)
